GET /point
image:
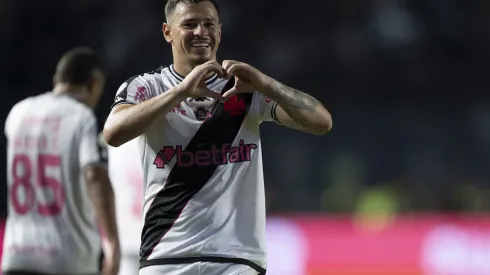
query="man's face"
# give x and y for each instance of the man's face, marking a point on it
(194, 32)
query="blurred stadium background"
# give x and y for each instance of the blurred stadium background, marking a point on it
(400, 185)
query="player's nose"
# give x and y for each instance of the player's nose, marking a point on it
(200, 31)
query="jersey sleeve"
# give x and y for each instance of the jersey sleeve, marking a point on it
(135, 90)
(267, 108)
(92, 148)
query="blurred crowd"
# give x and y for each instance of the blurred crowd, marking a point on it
(406, 83)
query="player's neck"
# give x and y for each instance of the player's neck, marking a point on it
(76, 91)
(183, 68)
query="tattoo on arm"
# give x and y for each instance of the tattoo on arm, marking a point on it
(290, 97)
(292, 101)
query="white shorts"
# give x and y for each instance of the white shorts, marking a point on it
(199, 268)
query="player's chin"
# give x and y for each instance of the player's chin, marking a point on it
(200, 58)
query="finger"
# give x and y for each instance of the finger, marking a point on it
(214, 67)
(223, 71)
(228, 63)
(210, 66)
(211, 62)
(225, 74)
(231, 92)
(232, 69)
(224, 64)
(237, 69)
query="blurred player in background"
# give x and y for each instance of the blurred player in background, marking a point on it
(127, 177)
(59, 191)
(197, 123)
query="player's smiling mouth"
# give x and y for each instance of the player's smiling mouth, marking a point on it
(200, 44)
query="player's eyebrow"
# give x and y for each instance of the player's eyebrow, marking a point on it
(193, 19)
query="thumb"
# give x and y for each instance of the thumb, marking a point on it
(231, 92)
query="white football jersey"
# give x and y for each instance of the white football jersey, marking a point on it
(202, 169)
(127, 180)
(51, 225)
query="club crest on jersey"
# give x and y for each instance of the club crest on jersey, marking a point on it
(201, 113)
(214, 156)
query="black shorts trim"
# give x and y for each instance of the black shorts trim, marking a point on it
(209, 259)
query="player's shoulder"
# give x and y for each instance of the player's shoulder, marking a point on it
(63, 104)
(146, 78)
(75, 112)
(18, 111)
(142, 86)
(87, 115)
(76, 108)
(23, 106)
(20, 105)
(15, 114)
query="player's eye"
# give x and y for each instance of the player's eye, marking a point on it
(190, 25)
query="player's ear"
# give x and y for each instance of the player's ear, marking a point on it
(166, 32)
(219, 32)
(90, 83)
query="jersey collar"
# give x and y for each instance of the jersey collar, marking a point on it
(180, 78)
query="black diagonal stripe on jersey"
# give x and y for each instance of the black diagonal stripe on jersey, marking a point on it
(184, 182)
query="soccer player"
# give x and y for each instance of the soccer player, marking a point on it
(197, 123)
(127, 178)
(59, 193)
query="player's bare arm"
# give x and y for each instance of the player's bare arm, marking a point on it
(296, 110)
(101, 194)
(128, 121)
